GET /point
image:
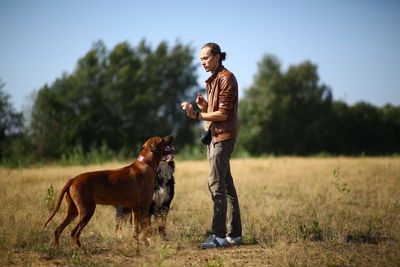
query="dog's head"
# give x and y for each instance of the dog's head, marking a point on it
(161, 146)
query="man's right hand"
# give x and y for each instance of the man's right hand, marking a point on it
(201, 102)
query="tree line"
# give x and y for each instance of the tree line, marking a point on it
(292, 113)
(114, 100)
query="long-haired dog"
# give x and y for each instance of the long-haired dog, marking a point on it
(164, 187)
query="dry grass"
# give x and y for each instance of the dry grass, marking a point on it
(295, 211)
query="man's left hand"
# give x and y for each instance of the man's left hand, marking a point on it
(189, 110)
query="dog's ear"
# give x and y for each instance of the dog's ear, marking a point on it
(154, 146)
(144, 145)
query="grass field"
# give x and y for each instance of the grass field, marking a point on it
(295, 212)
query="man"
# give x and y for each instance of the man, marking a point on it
(220, 113)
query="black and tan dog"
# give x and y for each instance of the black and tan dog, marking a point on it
(163, 194)
(131, 186)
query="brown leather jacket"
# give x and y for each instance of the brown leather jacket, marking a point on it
(222, 94)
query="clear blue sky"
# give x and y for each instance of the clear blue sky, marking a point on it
(355, 43)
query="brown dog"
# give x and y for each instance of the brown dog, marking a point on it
(131, 186)
(164, 189)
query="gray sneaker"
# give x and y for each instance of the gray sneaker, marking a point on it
(234, 241)
(214, 242)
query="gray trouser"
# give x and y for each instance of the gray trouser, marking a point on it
(223, 192)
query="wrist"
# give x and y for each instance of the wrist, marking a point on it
(197, 115)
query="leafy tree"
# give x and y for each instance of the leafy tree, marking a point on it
(391, 129)
(255, 111)
(285, 113)
(365, 129)
(11, 124)
(117, 98)
(293, 113)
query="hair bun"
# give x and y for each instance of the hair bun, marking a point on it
(223, 55)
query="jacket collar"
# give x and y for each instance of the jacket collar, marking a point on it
(215, 74)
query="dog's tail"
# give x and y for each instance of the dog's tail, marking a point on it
(60, 198)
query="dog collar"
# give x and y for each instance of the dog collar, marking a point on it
(147, 162)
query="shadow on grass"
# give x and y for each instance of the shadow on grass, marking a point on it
(368, 237)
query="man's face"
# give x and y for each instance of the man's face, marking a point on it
(208, 61)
